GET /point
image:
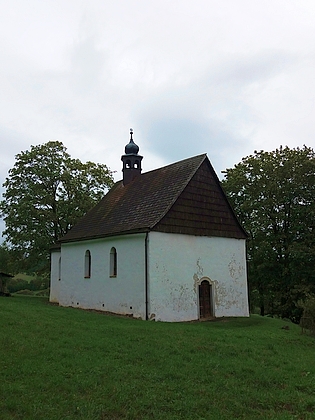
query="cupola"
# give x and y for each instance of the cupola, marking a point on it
(131, 161)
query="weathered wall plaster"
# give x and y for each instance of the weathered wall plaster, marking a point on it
(123, 294)
(178, 264)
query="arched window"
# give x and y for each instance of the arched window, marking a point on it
(87, 264)
(113, 263)
(59, 269)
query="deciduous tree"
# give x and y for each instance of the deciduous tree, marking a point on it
(273, 195)
(46, 192)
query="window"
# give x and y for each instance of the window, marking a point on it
(87, 264)
(59, 269)
(113, 263)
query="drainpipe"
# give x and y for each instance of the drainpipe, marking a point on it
(146, 276)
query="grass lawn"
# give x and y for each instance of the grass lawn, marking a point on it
(24, 276)
(63, 363)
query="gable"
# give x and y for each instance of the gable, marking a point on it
(202, 209)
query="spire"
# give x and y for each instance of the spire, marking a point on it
(131, 161)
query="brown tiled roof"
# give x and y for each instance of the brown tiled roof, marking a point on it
(140, 205)
(202, 209)
(137, 206)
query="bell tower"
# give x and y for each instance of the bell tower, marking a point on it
(131, 161)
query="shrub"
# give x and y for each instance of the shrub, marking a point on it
(38, 283)
(13, 285)
(44, 292)
(25, 292)
(308, 318)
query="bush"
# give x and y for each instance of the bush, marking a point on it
(308, 318)
(26, 292)
(14, 285)
(44, 292)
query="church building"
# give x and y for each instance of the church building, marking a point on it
(163, 245)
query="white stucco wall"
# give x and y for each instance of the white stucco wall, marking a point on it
(54, 276)
(177, 265)
(124, 294)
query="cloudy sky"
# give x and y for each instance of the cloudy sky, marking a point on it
(222, 77)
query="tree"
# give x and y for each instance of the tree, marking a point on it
(273, 195)
(46, 193)
(6, 260)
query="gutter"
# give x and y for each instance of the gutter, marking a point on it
(146, 276)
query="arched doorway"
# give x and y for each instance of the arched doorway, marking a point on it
(205, 300)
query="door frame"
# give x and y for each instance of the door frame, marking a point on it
(212, 297)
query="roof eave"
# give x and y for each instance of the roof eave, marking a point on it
(109, 235)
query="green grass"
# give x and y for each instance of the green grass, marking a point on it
(64, 363)
(24, 276)
(43, 292)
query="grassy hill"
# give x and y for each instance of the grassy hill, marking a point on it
(26, 277)
(64, 363)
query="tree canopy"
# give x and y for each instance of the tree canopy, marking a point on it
(6, 260)
(273, 195)
(46, 192)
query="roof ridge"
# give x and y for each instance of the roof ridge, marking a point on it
(179, 162)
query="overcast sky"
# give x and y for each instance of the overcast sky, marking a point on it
(222, 77)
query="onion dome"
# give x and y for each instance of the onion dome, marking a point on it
(131, 148)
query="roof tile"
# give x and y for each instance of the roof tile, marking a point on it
(137, 206)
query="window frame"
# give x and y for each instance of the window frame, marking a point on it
(87, 264)
(59, 268)
(113, 262)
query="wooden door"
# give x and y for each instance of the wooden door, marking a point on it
(205, 299)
